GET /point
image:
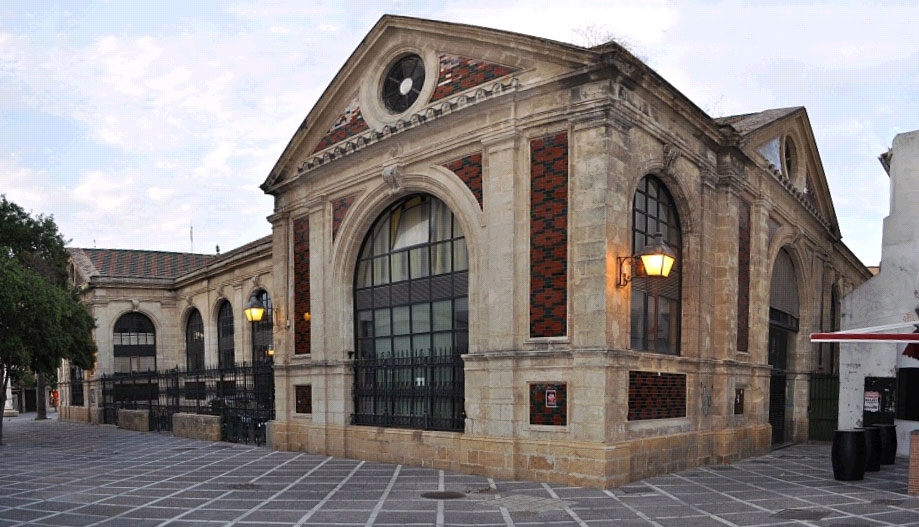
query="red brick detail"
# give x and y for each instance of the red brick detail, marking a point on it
(469, 170)
(913, 487)
(339, 209)
(743, 277)
(301, 285)
(549, 236)
(654, 395)
(349, 123)
(460, 73)
(549, 404)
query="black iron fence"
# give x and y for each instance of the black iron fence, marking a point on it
(411, 390)
(242, 395)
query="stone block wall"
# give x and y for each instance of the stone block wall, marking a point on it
(196, 426)
(136, 420)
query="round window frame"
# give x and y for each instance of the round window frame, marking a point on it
(370, 95)
(392, 66)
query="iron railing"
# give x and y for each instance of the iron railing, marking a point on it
(411, 391)
(241, 394)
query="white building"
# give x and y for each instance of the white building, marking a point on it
(885, 377)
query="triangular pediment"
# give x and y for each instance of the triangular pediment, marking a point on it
(782, 141)
(460, 66)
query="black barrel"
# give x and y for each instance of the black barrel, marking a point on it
(849, 453)
(888, 443)
(872, 449)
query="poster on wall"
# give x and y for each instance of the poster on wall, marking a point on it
(880, 399)
(872, 401)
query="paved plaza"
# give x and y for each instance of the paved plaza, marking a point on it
(59, 473)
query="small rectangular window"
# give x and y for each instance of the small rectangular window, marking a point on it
(304, 398)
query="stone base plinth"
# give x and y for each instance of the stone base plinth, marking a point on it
(195, 426)
(575, 463)
(137, 420)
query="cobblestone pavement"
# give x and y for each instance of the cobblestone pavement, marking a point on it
(57, 473)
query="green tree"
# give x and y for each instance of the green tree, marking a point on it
(42, 320)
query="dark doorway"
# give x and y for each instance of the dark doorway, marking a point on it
(778, 359)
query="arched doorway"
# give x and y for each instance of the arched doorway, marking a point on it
(134, 344)
(411, 318)
(783, 328)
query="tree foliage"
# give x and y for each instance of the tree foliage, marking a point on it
(42, 320)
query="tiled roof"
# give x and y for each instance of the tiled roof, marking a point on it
(141, 264)
(749, 122)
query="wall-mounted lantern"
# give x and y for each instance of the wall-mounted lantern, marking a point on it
(657, 259)
(255, 310)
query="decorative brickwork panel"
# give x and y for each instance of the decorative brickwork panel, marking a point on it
(549, 236)
(339, 209)
(743, 277)
(549, 404)
(913, 485)
(349, 123)
(301, 285)
(654, 395)
(460, 73)
(469, 170)
(304, 399)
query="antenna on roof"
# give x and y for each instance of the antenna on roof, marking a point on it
(191, 237)
(218, 250)
(94, 243)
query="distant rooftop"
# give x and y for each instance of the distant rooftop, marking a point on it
(750, 122)
(128, 263)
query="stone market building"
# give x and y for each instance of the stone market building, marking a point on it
(451, 275)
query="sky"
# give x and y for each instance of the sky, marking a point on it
(132, 122)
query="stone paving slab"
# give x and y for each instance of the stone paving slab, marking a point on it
(55, 473)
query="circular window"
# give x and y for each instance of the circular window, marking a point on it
(403, 83)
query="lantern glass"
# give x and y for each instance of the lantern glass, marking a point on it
(254, 310)
(657, 264)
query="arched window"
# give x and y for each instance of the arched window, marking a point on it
(134, 344)
(194, 341)
(411, 318)
(262, 338)
(225, 358)
(655, 300)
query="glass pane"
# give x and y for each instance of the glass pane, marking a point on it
(461, 314)
(383, 348)
(365, 324)
(412, 227)
(420, 263)
(460, 258)
(402, 346)
(363, 273)
(381, 270)
(400, 320)
(116, 339)
(399, 266)
(366, 349)
(381, 238)
(443, 315)
(421, 318)
(381, 325)
(421, 345)
(440, 258)
(442, 218)
(638, 319)
(443, 344)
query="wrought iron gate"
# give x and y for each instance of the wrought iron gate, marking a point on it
(242, 395)
(823, 406)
